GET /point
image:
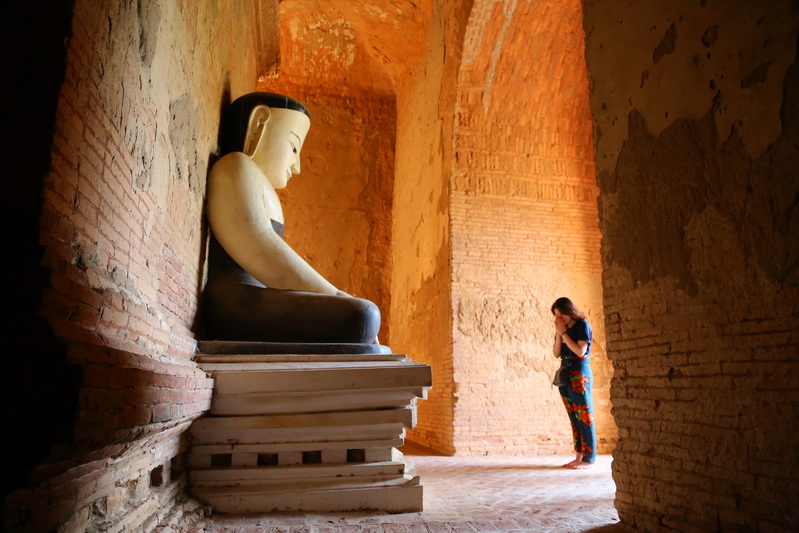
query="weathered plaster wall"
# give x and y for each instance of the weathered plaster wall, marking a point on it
(324, 46)
(422, 273)
(524, 226)
(123, 240)
(695, 105)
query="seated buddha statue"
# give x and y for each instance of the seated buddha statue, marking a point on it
(258, 288)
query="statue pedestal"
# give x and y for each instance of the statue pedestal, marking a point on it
(306, 432)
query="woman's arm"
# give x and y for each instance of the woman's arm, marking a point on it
(578, 347)
(560, 329)
(242, 224)
(556, 347)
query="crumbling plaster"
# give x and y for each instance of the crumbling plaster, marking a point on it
(679, 63)
(696, 110)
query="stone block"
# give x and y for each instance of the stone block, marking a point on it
(402, 495)
(289, 458)
(244, 459)
(378, 454)
(290, 474)
(334, 456)
(248, 378)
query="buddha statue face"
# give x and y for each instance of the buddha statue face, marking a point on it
(274, 139)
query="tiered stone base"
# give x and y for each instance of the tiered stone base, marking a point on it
(307, 432)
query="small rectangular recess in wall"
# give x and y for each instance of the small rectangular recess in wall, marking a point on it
(356, 455)
(221, 459)
(312, 458)
(158, 477)
(267, 459)
(176, 466)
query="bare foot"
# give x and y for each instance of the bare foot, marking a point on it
(579, 465)
(572, 464)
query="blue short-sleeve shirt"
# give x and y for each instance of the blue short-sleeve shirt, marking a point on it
(580, 331)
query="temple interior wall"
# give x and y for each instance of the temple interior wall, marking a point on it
(524, 227)
(123, 240)
(422, 240)
(452, 174)
(695, 111)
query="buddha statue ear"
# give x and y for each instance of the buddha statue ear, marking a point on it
(256, 126)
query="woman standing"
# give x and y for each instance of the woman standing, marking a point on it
(573, 346)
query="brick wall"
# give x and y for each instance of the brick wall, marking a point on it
(422, 275)
(524, 227)
(123, 235)
(695, 105)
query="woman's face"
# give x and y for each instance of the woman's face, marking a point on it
(278, 153)
(563, 319)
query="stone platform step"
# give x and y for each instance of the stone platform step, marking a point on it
(203, 358)
(400, 495)
(279, 384)
(263, 403)
(293, 430)
(383, 424)
(317, 474)
(294, 453)
(267, 448)
(308, 376)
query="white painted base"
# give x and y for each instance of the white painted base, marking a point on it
(399, 495)
(307, 433)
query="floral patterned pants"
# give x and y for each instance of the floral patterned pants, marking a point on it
(580, 408)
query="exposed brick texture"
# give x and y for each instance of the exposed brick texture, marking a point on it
(422, 275)
(524, 227)
(123, 234)
(696, 151)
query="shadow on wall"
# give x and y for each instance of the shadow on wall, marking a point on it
(198, 327)
(41, 389)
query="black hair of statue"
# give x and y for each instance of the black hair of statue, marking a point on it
(235, 117)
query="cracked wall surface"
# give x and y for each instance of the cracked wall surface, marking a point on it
(695, 109)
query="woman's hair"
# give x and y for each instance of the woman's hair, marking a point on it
(567, 307)
(234, 120)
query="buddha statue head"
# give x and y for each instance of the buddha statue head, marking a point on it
(269, 128)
